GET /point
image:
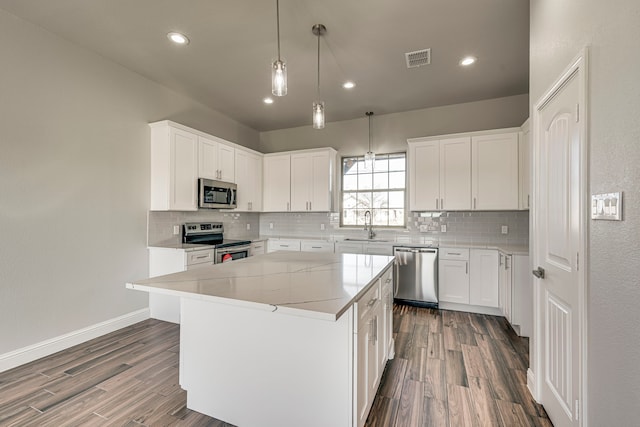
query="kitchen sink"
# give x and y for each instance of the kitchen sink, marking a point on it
(367, 240)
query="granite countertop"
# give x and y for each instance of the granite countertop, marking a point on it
(316, 285)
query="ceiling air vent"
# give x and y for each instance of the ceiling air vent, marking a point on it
(418, 58)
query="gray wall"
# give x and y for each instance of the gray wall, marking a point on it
(390, 131)
(559, 29)
(74, 182)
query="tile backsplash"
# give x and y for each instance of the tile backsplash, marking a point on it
(461, 227)
(160, 224)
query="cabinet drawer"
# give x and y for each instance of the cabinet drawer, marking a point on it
(316, 246)
(454, 253)
(283, 245)
(200, 257)
(368, 301)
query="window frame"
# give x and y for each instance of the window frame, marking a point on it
(372, 190)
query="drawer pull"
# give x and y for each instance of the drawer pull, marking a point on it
(454, 253)
(202, 256)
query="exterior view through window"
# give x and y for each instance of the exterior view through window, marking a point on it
(380, 190)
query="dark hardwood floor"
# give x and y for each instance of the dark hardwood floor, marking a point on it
(451, 369)
(455, 369)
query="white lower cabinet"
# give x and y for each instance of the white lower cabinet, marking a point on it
(373, 342)
(483, 280)
(453, 275)
(166, 261)
(283, 245)
(316, 246)
(258, 248)
(516, 295)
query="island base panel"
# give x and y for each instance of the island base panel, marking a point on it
(252, 367)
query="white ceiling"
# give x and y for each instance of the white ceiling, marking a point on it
(227, 64)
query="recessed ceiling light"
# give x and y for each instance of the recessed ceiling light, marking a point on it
(468, 60)
(348, 85)
(178, 38)
(268, 100)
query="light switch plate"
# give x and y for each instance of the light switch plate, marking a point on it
(505, 229)
(270, 226)
(607, 206)
(248, 226)
(443, 228)
(176, 230)
(321, 227)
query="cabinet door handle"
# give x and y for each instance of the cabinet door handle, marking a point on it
(466, 268)
(437, 204)
(528, 203)
(372, 301)
(288, 206)
(474, 203)
(441, 203)
(309, 205)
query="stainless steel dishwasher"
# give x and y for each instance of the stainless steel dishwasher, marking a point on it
(416, 275)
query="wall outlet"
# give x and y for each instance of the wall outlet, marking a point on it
(248, 226)
(322, 227)
(270, 226)
(176, 230)
(505, 229)
(443, 228)
(424, 228)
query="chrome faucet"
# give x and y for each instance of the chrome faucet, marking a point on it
(372, 234)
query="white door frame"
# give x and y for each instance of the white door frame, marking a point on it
(534, 374)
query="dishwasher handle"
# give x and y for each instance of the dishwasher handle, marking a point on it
(414, 250)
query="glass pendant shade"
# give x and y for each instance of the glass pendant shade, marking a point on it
(279, 78)
(369, 159)
(318, 115)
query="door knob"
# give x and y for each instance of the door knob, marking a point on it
(539, 272)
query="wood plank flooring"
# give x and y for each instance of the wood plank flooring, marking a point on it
(455, 369)
(451, 369)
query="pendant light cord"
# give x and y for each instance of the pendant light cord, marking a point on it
(369, 114)
(278, 25)
(318, 88)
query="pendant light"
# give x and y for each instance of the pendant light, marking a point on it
(370, 156)
(318, 105)
(279, 68)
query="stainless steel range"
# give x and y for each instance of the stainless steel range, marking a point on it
(211, 233)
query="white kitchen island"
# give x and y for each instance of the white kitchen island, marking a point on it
(283, 339)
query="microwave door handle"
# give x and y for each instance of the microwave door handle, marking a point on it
(231, 198)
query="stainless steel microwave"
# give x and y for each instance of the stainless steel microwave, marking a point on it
(216, 194)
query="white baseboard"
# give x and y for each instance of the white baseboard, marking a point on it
(531, 384)
(45, 348)
(470, 308)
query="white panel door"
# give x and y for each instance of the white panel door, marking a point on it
(494, 182)
(226, 163)
(455, 174)
(524, 154)
(483, 280)
(207, 158)
(249, 181)
(184, 171)
(320, 190)
(557, 246)
(453, 281)
(276, 183)
(301, 179)
(424, 176)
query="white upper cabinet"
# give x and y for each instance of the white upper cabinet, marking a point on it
(524, 153)
(495, 171)
(455, 174)
(216, 159)
(424, 176)
(276, 183)
(174, 166)
(440, 174)
(248, 166)
(300, 181)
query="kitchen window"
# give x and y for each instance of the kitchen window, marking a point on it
(381, 190)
